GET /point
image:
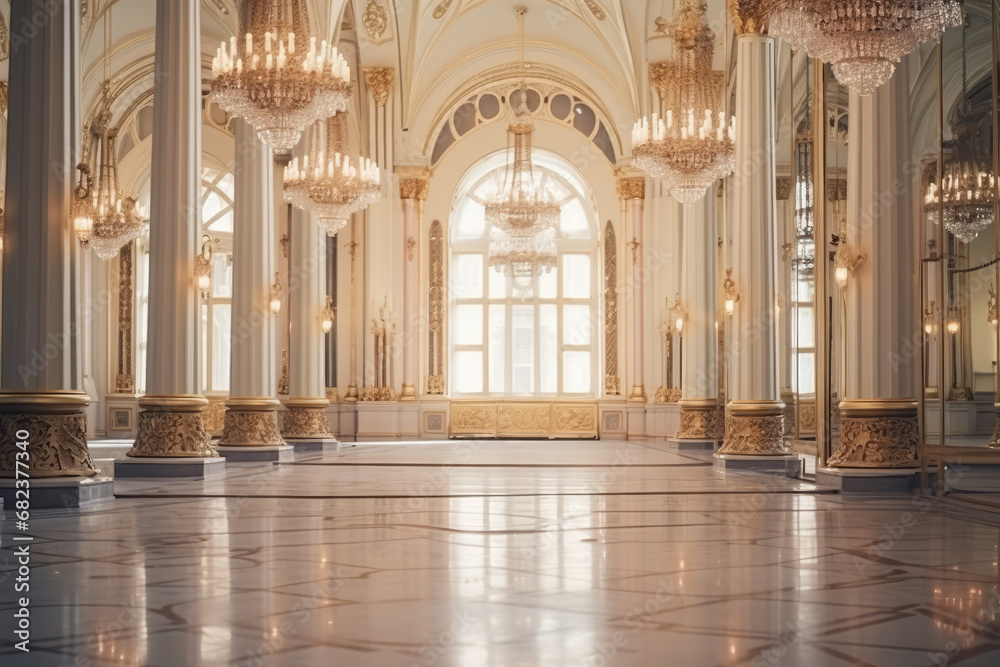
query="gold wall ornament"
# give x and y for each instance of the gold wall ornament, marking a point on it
(665, 395)
(57, 445)
(612, 383)
(380, 81)
(284, 245)
(125, 377)
(631, 187)
(596, 10)
(879, 433)
(283, 378)
(214, 416)
(474, 419)
(991, 306)
(436, 305)
(383, 394)
(442, 8)
(305, 422)
(634, 245)
(523, 419)
(4, 42)
(375, 19)
(4, 97)
(576, 420)
(677, 315)
(783, 188)
(413, 187)
(411, 243)
(751, 16)
(251, 428)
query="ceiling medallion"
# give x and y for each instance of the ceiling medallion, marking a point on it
(694, 145)
(328, 183)
(276, 86)
(862, 39)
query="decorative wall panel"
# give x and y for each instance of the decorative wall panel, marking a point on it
(436, 311)
(524, 419)
(474, 419)
(612, 383)
(125, 376)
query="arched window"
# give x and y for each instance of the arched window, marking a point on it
(217, 190)
(545, 344)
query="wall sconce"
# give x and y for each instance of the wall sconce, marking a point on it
(83, 223)
(991, 306)
(275, 302)
(328, 315)
(954, 320)
(846, 260)
(732, 294)
(678, 315)
(930, 321)
(203, 265)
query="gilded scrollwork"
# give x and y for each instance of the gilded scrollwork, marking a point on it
(754, 434)
(631, 187)
(436, 310)
(245, 428)
(173, 434)
(877, 442)
(375, 19)
(612, 383)
(300, 422)
(520, 419)
(750, 16)
(380, 81)
(574, 420)
(701, 424)
(57, 444)
(125, 377)
(475, 419)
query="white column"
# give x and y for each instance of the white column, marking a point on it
(632, 193)
(170, 423)
(700, 417)
(42, 386)
(883, 339)
(251, 412)
(306, 417)
(755, 423)
(413, 192)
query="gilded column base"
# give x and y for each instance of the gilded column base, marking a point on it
(54, 426)
(172, 426)
(352, 393)
(306, 418)
(788, 398)
(755, 428)
(701, 419)
(408, 393)
(877, 433)
(251, 422)
(638, 394)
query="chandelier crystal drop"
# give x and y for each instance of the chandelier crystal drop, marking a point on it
(270, 80)
(695, 144)
(862, 39)
(964, 202)
(328, 183)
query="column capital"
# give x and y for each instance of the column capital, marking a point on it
(630, 187)
(414, 187)
(750, 17)
(380, 80)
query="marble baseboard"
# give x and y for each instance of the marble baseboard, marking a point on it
(790, 466)
(59, 492)
(265, 454)
(315, 446)
(868, 480)
(692, 444)
(169, 467)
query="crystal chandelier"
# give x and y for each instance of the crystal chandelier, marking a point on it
(862, 39)
(278, 88)
(964, 199)
(694, 145)
(102, 218)
(523, 217)
(328, 183)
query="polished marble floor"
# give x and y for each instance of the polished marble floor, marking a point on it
(507, 554)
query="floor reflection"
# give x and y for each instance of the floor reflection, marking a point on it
(504, 554)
